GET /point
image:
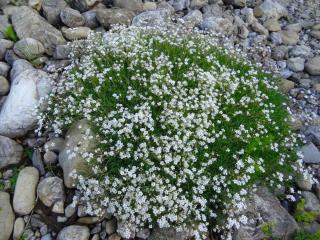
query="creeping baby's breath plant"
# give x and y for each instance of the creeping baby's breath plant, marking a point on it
(186, 128)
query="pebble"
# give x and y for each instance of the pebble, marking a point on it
(74, 232)
(50, 158)
(25, 191)
(4, 86)
(70, 210)
(18, 229)
(51, 190)
(4, 69)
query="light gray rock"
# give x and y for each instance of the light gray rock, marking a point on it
(4, 69)
(296, 64)
(74, 232)
(75, 33)
(149, 6)
(192, 19)
(17, 113)
(18, 228)
(71, 17)
(58, 207)
(179, 5)
(263, 205)
(152, 18)
(37, 161)
(10, 152)
(270, 9)
(272, 25)
(289, 37)
(169, 234)
(311, 202)
(18, 67)
(76, 137)
(55, 145)
(4, 86)
(29, 24)
(276, 38)
(6, 216)
(4, 45)
(259, 28)
(312, 66)
(28, 48)
(218, 25)
(296, 27)
(300, 51)
(304, 183)
(51, 10)
(70, 210)
(50, 158)
(107, 17)
(25, 191)
(10, 57)
(51, 190)
(132, 5)
(62, 52)
(197, 4)
(286, 85)
(311, 154)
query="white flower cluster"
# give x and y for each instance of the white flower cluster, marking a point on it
(185, 129)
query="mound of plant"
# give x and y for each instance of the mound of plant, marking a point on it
(186, 128)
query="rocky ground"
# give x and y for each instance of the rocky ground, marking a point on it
(35, 186)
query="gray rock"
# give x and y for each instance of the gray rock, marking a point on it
(313, 133)
(25, 191)
(6, 216)
(197, 4)
(58, 207)
(179, 5)
(286, 85)
(46, 237)
(18, 228)
(132, 5)
(51, 10)
(192, 19)
(18, 67)
(236, 3)
(35, 4)
(296, 27)
(280, 52)
(311, 154)
(111, 226)
(50, 158)
(300, 51)
(10, 152)
(37, 161)
(4, 45)
(259, 28)
(90, 19)
(265, 206)
(71, 17)
(272, 25)
(4, 22)
(4, 86)
(144, 233)
(169, 234)
(149, 6)
(75, 33)
(270, 9)
(218, 25)
(304, 183)
(4, 69)
(62, 52)
(107, 17)
(74, 232)
(152, 18)
(29, 24)
(167, 7)
(311, 202)
(28, 48)
(296, 64)
(289, 37)
(276, 38)
(51, 190)
(55, 144)
(70, 210)
(75, 138)
(10, 57)
(26, 91)
(312, 66)
(315, 34)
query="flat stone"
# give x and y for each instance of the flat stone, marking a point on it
(6, 216)
(29, 24)
(25, 191)
(75, 33)
(74, 232)
(26, 91)
(10, 152)
(51, 190)
(311, 154)
(312, 66)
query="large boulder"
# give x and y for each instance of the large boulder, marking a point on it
(25, 192)
(29, 24)
(6, 216)
(10, 152)
(17, 115)
(77, 141)
(264, 208)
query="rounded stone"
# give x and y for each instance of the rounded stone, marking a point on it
(18, 229)
(4, 86)
(71, 17)
(313, 66)
(25, 191)
(74, 232)
(51, 190)
(6, 216)
(28, 48)
(50, 158)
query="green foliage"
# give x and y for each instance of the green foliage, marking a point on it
(2, 185)
(13, 179)
(301, 235)
(10, 33)
(301, 215)
(27, 152)
(266, 228)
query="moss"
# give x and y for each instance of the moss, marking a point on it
(304, 216)
(266, 228)
(301, 235)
